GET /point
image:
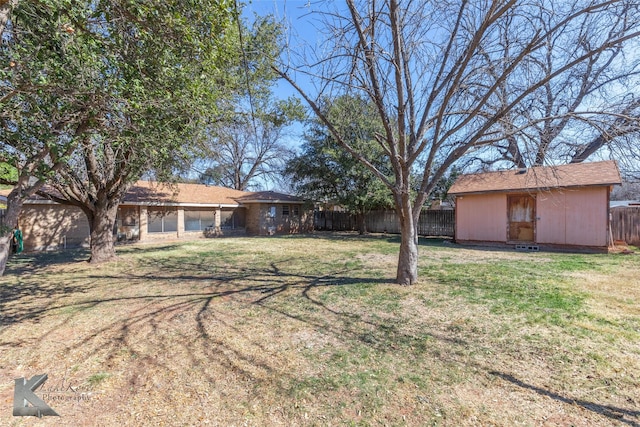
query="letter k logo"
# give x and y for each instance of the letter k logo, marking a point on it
(23, 395)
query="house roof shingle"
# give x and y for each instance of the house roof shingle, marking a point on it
(540, 177)
(149, 192)
(155, 193)
(268, 197)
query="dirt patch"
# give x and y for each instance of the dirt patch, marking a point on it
(379, 261)
(611, 294)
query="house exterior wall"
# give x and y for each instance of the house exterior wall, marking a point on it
(564, 217)
(481, 217)
(143, 223)
(302, 222)
(218, 222)
(180, 230)
(52, 226)
(264, 219)
(253, 219)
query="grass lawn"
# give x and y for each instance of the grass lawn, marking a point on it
(299, 331)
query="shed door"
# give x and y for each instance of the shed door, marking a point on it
(521, 210)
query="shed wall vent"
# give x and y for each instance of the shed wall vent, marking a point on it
(533, 248)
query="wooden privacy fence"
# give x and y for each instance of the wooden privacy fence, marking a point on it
(334, 221)
(625, 225)
(431, 223)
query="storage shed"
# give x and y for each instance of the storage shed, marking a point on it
(552, 207)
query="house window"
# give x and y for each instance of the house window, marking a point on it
(232, 219)
(285, 210)
(162, 220)
(272, 211)
(296, 210)
(127, 216)
(126, 226)
(227, 219)
(198, 220)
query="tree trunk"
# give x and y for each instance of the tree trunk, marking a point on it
(5, 249)
(22, 191)
(14, 206)
(362, 223)
(408, 259)
(101, 223)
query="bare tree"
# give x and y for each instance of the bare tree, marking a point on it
(629, 190)
(445, 76)
(577, 112)
(247, 145)
(250, 148)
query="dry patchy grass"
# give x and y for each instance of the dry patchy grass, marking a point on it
(311, 331)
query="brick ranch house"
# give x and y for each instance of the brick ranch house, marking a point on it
(151, 211)
(560, 207)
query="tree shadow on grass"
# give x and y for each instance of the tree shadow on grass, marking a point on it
(621, 415)
(140, 248)
(150, 314)
(27, 295)
(266, 288)
(17, 301)
(347, 236)
(34, 262)
(189, 310)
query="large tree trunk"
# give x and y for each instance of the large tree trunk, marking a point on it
(101, 223)
(14, 206)
(408, 259)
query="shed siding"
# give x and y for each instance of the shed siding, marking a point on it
(566, 217)
(587, 216)
(481, 217)
(551, 223)
(573, 217)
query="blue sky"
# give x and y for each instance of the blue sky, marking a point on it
(301, 27)
(298, 18)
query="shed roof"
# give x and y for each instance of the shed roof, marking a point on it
(540, 177)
